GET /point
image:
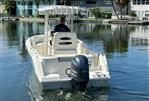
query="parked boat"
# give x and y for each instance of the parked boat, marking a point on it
(61, 61)
(139, 22)
(129, 22)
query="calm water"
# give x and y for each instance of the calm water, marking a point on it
(128, 63)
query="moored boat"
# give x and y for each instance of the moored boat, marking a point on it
(139, 22)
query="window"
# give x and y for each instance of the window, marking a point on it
(147, 2)
(19, 3)
(147, 13)
(30, 3)
(138, 1)
(134, 2)
(81, 2)
(90, 2)
(143, 1)
(73, 3)
(23, 2)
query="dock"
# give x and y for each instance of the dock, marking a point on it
(129, 22)
(140, 22)
(9, 18)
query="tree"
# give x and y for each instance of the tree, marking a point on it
(114, 9)
(9, 4)
(96, 12)
(132, 13)
(122, 4)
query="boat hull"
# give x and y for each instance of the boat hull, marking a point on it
(50, 69)
(66, 84)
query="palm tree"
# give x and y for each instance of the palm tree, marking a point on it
(9, 4)
(114, 9)
(122, 4)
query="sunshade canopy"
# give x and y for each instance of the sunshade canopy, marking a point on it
(61, 10)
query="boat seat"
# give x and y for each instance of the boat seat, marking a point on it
(37, 40)
(64, 43)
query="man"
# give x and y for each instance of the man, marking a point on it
(61, 27)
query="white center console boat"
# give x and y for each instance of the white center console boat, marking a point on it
(61, 61)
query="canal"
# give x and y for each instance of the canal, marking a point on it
(127, 55)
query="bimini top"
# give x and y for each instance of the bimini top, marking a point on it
(61, 10)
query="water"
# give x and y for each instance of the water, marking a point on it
(127, 58)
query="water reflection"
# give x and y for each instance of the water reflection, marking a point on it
(10, 30)
(18, 32)
(108, 38)
(118, 41)
(140, 36)
(114, 37)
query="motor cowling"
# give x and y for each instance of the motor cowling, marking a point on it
(79, 72)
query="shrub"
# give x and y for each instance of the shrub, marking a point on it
(98, 13)
(132, 13)
(106, 14)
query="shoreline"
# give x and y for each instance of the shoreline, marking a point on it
(81, 20)
(41, 20)
(31, 19)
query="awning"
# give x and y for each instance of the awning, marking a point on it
(61, 10)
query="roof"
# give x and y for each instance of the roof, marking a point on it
(61, 10)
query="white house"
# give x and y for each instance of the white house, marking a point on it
(1, 7)
(141, 7)
(28, 7)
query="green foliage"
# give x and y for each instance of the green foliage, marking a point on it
(98, 13)
(9, 4)
(132, 13)
(106, 14)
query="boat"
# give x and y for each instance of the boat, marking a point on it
(129, 22)
(61, 60)
(139, 22)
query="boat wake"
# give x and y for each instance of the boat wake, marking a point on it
(132, 93)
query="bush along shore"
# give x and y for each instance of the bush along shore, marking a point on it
(40, 19)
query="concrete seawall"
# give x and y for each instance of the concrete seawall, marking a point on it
(32, 19)
(77, 21)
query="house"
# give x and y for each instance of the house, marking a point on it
(29, 8)
(25, 8)
(1, 8)
(141, 7)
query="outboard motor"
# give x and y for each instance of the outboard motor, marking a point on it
(79, 72)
